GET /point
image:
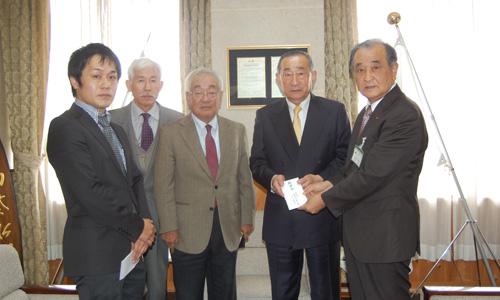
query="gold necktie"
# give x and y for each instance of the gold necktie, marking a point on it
(296, 123)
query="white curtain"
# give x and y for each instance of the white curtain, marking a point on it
(454, 46)
(131, 28)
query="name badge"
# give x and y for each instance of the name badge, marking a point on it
(357, 154)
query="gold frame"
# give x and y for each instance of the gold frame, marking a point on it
(267, 51)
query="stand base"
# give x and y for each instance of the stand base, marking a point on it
(460, 292)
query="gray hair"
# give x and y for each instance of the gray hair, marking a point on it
(198, 72)
(140, 64)
(296, 53)
(391, 55)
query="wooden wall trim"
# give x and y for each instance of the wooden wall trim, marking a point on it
(453, 273)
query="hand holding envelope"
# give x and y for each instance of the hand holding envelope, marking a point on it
(293, 193)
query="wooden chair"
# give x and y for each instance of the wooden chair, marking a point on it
(10, 234)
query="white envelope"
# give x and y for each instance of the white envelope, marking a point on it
(294, 194)
(126, 266)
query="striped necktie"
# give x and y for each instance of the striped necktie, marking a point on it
(366, 117)
(112, 139)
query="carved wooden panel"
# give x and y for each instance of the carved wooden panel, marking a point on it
(10, 229)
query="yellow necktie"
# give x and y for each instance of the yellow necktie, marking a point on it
(296, 123)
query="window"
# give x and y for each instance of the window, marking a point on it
(131, 28)
(453, 45)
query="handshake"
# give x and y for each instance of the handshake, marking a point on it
(313, 186)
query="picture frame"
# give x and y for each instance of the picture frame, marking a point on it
(251, 70)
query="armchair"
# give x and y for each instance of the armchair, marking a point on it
(12, 281)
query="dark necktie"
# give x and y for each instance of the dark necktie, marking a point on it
(146, 132)
(211, 153)
(112, 139)
(366, 117)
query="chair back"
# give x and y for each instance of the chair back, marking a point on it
(11, 274)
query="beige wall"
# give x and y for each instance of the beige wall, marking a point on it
(265, 22)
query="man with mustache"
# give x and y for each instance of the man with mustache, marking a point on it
(141, 120)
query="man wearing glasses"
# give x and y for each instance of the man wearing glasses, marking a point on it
(204, 192)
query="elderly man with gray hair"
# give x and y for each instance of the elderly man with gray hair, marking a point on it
(376, 190)
(204, 192)
(141, 120)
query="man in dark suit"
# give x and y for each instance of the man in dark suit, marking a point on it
(376, 190)
(301, 136)
(108, 217)
(141, 120)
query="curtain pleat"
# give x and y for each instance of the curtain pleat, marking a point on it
(24, 42)
(340, 37)
(195, 36)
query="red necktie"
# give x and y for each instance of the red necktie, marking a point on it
(211, 153)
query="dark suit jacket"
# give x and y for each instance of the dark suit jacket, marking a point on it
(275, 150)
(105, 207)
(378, 200)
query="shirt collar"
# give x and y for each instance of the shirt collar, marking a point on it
(154, 112)
(304, 104)
(201, 125)
(91, 110)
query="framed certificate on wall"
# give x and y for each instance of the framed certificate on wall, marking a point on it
(251, 72)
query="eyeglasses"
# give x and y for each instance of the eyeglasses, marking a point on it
(210, 94)
(288, 75)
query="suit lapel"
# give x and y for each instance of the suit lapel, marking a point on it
(124, 143)
(163, 116)
(373, 122)
(354, 137)
(227, 146)
(376, 116)
(130, 128)
(387, 102)
(313, 127)
(357, 124)
(128, 156)
(283, 126)
(192, 141)
(94, 129)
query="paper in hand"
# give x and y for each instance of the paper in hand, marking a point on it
(294, 193)
(126, 266)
